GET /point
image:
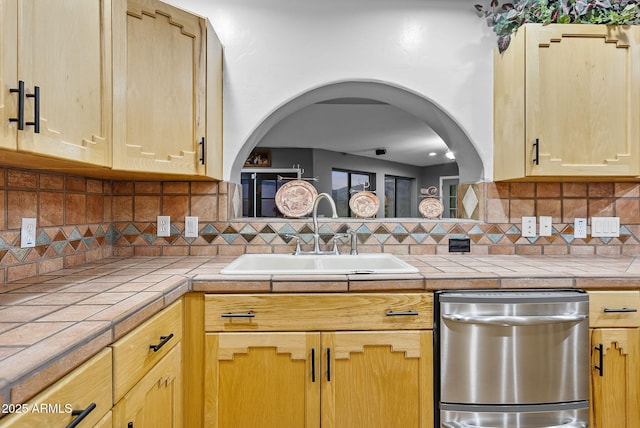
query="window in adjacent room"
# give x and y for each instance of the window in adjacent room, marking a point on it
(397, 196)
(344, 180)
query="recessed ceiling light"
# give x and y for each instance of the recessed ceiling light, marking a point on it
(432, 153)
(450, 155)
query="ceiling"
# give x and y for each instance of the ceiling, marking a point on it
(360, 126)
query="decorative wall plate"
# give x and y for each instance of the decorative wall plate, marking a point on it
(295, 198)
(364, 204)
(430, 208)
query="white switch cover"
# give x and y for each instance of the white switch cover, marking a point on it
(164, 225)
(528, 227)
(605, 227)
(580, 228)
(28, 233)
(191, 227)
(546, 223)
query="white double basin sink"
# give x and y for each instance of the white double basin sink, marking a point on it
(317, 264)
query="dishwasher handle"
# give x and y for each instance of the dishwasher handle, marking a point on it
(572, 424)
(515, 320)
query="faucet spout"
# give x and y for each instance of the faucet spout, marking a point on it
(334, 214)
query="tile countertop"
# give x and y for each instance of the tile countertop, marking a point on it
(51, 323)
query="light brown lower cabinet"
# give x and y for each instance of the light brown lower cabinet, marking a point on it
(156, 400)
(106, 421)
(337, 379)
(334, 379)
(615, 359)
(615, 377)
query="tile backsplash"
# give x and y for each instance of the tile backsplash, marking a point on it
(80, 220)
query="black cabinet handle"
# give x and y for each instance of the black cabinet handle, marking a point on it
(20, 118)
(609, 310)
(536, 145)
(81, 414)
(328, 364)
(130, 425)
(313, 364)
(201, 143)
(402, 314)
(163, 341)
(600, 366)
(36, 109)
(230, 315)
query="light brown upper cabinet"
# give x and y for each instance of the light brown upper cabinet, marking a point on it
(167, 91)
(567, 103)
(55, 70)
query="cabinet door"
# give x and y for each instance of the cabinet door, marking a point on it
(582, 100)
(156, 400)
(8, 72)
(377, 379)
(65, 50)
(159, 95)
(616, 385)
(106, 421)
(267, 380)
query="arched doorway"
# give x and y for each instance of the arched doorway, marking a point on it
(471, 169)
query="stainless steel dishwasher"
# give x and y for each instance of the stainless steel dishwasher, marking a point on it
(512, 359)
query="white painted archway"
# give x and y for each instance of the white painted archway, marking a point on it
(471, 168)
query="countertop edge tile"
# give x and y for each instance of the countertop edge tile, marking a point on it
(547, 282)
(138, 316)
(5, 392)
(608, 283)
(466, 283)
(411, 284)
(307, 286)
(242, 286)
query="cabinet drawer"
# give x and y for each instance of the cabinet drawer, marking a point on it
(308, 312)
(134, 354)
(614, 308)
(87, 385)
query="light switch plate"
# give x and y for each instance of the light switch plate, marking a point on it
(164, 225)
(28, 233)
(528, 227)
(191, 227)
(605, 227)
(546, 223)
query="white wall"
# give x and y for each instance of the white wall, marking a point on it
(276, 50)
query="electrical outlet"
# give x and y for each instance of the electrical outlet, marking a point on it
(164, 225)
(28, 233)
(546, 223)
(528, 227)
(580, 228)
(191, 227)
(605, 227)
